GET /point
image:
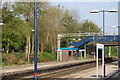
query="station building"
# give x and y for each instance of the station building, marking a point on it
(68, 54)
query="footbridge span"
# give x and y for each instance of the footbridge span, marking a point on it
(108, 40)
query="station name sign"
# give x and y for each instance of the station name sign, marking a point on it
(100, 46)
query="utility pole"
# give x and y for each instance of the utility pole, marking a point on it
(35, 41)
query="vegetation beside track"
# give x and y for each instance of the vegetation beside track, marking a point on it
(13, 59)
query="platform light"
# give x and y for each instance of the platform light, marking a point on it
(97, 11)
(113, 26)
(33, 30)
(103, 11)
(1, 24)
(73, 38)
(79, 39)
(113, 10)
(94, 11)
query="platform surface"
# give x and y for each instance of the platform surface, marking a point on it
(91, 73)
(23, 68)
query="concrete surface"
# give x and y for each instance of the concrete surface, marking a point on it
(91, 73)
(41, 66)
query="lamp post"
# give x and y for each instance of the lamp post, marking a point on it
(35, 41)
(1, 24)
(103, 11)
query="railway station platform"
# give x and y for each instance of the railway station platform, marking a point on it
(91, 73)
(41, 66)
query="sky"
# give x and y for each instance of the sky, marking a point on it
(84, 8)
(60, 0)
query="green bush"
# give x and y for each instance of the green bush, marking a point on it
(14, 59)
(9, 59)
(1, 62)
(113, 51)
(43, 57)
(20, 58)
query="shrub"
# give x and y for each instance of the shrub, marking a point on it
(1, 63)
(20, 58)
(14, 59)
(9, 59)
(43, 57)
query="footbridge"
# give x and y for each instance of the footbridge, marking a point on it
(107, 40)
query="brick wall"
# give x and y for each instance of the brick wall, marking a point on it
(68, 55)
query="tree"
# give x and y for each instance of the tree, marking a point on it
(18, 21)
(89, 26)
(49, 28)
(70, 24)
(12, 38)
(24, 10)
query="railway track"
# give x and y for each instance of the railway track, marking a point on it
(56, 72)
(71, 70)
(64, 71)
